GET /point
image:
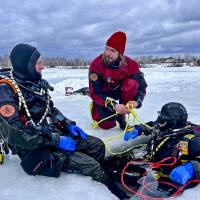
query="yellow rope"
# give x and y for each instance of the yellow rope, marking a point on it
(95, 124)
(136, 119)
(109, 139)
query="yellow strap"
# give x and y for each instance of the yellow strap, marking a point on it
(183, 146)
(1, 158)
(189, 136)
(1, 151)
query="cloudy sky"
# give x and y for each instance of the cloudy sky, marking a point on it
(78, 28)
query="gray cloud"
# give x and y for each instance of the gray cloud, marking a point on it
(80, 28)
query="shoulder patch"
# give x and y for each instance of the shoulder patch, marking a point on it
(93, 76)
(7, 110)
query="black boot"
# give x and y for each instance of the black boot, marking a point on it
(106, 179)
(114, 188)
(117, 191)
(121, 119)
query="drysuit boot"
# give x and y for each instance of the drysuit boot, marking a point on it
(114, 188)
(117, 191)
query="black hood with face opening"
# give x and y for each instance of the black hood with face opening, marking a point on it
(174, 114)
(23, 58)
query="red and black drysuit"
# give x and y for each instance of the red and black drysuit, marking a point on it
(124, 83)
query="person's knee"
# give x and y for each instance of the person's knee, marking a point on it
(99, 143)
(100, 148)
(129, 84)
(107, 124)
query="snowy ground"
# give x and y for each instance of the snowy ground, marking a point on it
(164, 85)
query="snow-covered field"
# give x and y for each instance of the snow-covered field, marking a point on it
(164, 85)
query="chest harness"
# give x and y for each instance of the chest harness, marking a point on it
(22, 103)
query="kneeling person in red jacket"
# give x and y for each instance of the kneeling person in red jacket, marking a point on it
(114, 76)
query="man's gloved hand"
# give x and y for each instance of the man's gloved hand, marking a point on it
(182, 173)
(132, 133)
(77, 131)
(66, 143)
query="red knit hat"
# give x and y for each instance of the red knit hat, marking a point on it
(117, 41)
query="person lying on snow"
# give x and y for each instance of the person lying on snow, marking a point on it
(46, 141)
(174, 148)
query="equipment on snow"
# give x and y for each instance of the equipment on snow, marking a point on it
(70, 91)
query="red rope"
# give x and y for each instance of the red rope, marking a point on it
(145, 197)
(183, 187)
(147, 185)
(162, 162)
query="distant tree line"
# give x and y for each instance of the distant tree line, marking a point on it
(187, 59)
(52, 62)
(83, 63)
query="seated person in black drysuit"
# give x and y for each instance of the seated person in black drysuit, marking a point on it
(46, 141)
